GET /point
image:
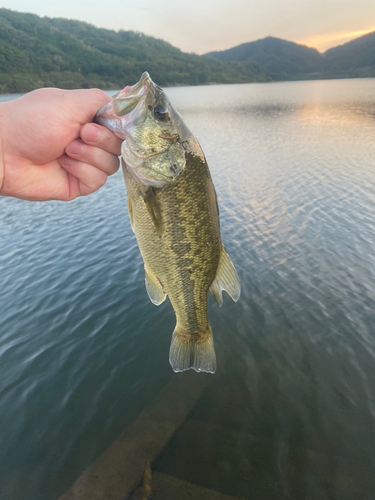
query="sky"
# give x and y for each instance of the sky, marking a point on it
(202, 26)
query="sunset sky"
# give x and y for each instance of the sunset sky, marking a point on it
(201, 26)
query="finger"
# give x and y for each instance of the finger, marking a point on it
(101, 137)
(99, 158)
(90, 178)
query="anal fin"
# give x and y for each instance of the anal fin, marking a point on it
(227, 277)
(216, 292)
(154, 289)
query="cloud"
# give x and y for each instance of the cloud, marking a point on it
(327, 40)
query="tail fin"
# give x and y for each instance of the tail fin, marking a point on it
(197, 352)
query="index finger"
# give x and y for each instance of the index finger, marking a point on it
(100, 137)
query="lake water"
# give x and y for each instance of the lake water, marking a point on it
(290, 412)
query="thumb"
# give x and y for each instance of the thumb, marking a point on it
(86, 103)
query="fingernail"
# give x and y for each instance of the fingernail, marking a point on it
(65, 160)
(91, 133)
(75, 148)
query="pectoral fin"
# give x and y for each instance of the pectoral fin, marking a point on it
(227, 277)
(131, 215)
(154, 289)
(153, 208)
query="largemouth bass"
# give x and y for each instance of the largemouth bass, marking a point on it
(174, 214)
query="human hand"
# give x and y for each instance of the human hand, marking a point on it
(50, 148)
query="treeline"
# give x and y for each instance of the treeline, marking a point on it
(41, 52)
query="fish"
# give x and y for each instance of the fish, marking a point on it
(173, 210)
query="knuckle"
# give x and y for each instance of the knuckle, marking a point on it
(99, 93)
(100, 96)
(105, 137)
(116, 165)
(101, 180)
(96, 180)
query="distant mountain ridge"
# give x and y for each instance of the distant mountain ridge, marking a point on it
(277, 56)
(282, 59)
(358, 53)
(39, 52)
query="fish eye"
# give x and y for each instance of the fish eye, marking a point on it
(161, 113)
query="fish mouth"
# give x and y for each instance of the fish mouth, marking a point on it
(134, 89)
(117, 113)
(126, 100)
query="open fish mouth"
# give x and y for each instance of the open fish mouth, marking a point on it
(128, 98)
(118, 113)
(134, 89)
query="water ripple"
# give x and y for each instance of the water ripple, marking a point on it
(82, 350)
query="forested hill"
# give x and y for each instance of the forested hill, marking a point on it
(37, 52)
(281, 59)
(359, 54)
